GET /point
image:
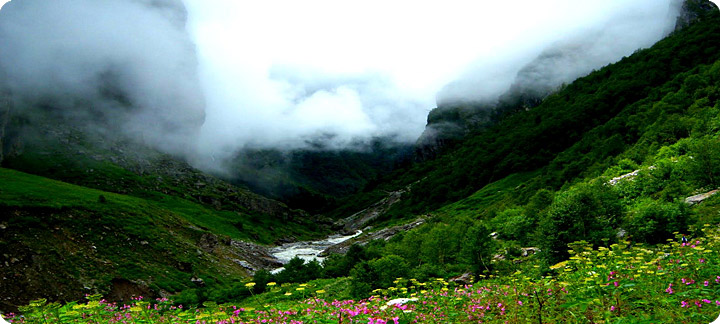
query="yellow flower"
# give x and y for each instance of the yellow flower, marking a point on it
(288, 294)
(300, 289)
(250, 284)
(272, 283)
(320, 291)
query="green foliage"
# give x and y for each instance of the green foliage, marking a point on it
(297, 270)
(652, 221)
(618, 283)
(589, 212)
(705, 164)
(478, 248)
(622, 112)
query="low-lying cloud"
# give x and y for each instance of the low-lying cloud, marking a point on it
(129, 61)
(284, 74)
(296, 74)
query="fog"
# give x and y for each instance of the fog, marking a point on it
(289, 74)
(129, 62)
(281, 73)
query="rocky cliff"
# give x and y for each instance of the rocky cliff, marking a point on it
(694, 10)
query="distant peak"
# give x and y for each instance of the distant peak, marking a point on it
(694, 10)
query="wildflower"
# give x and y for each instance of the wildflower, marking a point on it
(669, 289)
(683, 304)
(250, 284)
(612, 308)
(520, 302)
(706, 283)
(272, 283)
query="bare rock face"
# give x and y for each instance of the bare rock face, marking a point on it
(694, 10)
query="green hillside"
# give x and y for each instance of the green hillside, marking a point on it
(577, 206)
(62, 241)
(579, 131)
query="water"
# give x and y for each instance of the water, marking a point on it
(307, 250)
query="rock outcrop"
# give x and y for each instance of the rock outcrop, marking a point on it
(360, 219)
(701, 197)
(383, 234)
(694, 10)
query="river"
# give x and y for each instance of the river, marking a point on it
(307, 250)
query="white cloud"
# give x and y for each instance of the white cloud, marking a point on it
(259, 57)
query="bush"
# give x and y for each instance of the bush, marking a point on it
(589, 212)
(652, 221)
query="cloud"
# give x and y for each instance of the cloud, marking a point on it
(290, 74)
(284, 73)
(131, 62)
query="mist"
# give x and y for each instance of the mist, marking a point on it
(115, 66)
(226, 75)
(284, 74)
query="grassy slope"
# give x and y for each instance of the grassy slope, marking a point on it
(83, 238)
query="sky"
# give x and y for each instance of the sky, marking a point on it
(329, 73)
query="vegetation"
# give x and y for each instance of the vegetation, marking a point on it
(625, 110)
(572, 211)
(622, 282)
(72, 236)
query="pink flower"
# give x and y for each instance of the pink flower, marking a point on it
(683, 304)
(702, 260)
(612, 308)
(669, 289)
(615, 283)
(706, 283)
(520, 302)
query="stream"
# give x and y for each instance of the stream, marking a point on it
(307, 250)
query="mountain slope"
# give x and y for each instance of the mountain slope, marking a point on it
(62, 241)
(536, 139)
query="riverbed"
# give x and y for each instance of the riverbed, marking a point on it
(307, 250)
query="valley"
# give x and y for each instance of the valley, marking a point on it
(586, 200)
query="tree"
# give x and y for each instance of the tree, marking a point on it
(705, 165)
(478, 248)
(587, 212)
(652, 221)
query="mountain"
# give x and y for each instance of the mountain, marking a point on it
(96, 194)
(556, 66)
(570, 130)
(92, 202)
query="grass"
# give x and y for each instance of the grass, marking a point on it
(495, 196)
(76, 237)
(620, 283)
